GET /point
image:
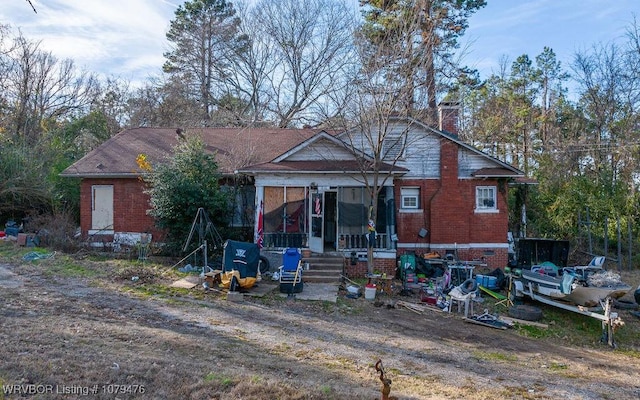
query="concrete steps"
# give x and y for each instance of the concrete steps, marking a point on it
(323, 268)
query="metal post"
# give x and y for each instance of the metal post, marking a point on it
(206, 263)
(589, 232)
(606, 237)
(629, 233)
(619, 244)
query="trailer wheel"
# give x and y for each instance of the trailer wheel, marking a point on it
(625, 305)
(525, 312)
(263, 264)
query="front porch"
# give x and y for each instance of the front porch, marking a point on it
(323, 219)
(345, 242)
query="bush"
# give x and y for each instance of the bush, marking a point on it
(57, 231)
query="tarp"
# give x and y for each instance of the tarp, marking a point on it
(240, 259)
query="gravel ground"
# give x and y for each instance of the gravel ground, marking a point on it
(103, 336)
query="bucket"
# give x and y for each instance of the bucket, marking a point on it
(370, 292)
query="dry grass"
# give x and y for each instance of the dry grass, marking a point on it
(84, 322)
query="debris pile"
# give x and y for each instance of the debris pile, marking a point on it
(604, 279)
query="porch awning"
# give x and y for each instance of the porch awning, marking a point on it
(495, 173)
(325, 166)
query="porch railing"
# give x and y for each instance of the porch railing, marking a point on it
(284, 240)
(359, 241)
(349, 242)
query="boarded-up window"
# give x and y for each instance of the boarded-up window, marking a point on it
(284, 209)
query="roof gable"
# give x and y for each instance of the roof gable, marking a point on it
(488, 161)
(321, 146)
(422, 153)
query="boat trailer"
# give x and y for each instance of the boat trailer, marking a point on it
(610, 320)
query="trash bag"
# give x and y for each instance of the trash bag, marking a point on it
(501, 279)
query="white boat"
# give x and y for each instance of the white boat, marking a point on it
(586, 285)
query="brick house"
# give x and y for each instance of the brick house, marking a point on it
(307, 190)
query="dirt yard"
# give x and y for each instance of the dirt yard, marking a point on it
(84, 329)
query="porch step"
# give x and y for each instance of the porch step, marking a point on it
(323, 268)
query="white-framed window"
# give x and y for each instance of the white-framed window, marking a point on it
(410, 198)
(486, 198)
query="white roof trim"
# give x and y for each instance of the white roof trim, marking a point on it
(322, 135)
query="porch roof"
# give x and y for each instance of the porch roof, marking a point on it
(496, 173)
(324, 166)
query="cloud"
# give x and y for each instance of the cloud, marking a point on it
(124, 37)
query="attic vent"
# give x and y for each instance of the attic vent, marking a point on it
(100, 166)
(393, 146)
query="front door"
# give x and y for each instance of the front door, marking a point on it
(101, 207)
(330, 220)
(316, 215)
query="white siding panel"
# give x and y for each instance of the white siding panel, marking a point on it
(321, 150)
(422, 157)
(468, 162)
(359, 141)
(422, 153)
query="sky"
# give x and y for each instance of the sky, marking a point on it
(510, 28)
(126, 38)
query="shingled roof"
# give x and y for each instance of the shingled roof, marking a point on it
(234, 148)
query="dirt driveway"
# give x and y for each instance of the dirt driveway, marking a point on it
(102, 337)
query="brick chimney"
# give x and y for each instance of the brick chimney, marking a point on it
(448, 116)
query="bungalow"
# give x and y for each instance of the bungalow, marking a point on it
(307, 189)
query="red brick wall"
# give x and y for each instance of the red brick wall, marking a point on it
(448, 213)
(409, 224)
(381, 265)
(129, 206)
(448, 118)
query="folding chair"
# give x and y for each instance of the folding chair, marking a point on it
(597, 262)
(291, 271)
(502, 300)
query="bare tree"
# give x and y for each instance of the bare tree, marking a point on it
(375, 119)
(112, 99)
(6, 48)
(43, 90)
(164, 101)
(252, 66)
(389, 89)
(313, 47)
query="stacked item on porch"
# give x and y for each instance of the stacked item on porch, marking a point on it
(291, 271)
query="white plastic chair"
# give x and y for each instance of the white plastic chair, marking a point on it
(456, 297)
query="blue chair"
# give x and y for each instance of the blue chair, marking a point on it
(291, 271)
